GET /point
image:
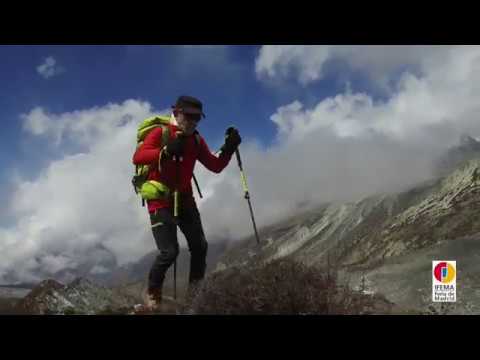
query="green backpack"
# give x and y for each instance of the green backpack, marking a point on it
(151, 189)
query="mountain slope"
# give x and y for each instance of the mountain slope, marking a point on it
(81, 296)
(388, 240)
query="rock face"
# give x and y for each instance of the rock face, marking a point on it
(467, 149)
(388, 241)
(81, 296)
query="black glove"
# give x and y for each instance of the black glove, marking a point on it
(232, 140)
(176, 146)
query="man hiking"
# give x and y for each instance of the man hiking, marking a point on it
(171, 162)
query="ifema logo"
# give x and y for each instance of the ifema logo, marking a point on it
(444, 281)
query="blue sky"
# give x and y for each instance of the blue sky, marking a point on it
(223, 77)
(319, 124)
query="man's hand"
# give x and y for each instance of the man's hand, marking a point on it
(232, 140)
(176, 146)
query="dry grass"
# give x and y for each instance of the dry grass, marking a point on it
(280, 287)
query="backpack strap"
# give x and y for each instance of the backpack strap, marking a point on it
(197, 141)
(165, 134)
(197, 138)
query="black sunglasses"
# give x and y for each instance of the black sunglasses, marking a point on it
(192, 117)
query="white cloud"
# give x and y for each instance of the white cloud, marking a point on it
(97, 269)
(37, 122)
(52, 263)
(49, 68)
(85, 127)
(308, 63)
(82, 200)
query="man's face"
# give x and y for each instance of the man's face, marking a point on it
(187, 122)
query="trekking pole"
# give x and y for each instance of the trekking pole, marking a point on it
(175, 279)
(245, 187)
(175, 215)
(198, 187)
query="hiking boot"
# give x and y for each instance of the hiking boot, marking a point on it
(192, 291)
(153, 299)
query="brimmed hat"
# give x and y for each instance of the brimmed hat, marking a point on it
(189, 105)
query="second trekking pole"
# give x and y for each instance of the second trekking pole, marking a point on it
(175, 215)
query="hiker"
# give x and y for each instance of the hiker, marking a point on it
(171, 168)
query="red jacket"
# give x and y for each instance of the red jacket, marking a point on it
(148, 153)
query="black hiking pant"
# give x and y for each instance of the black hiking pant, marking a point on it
(164, 231)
